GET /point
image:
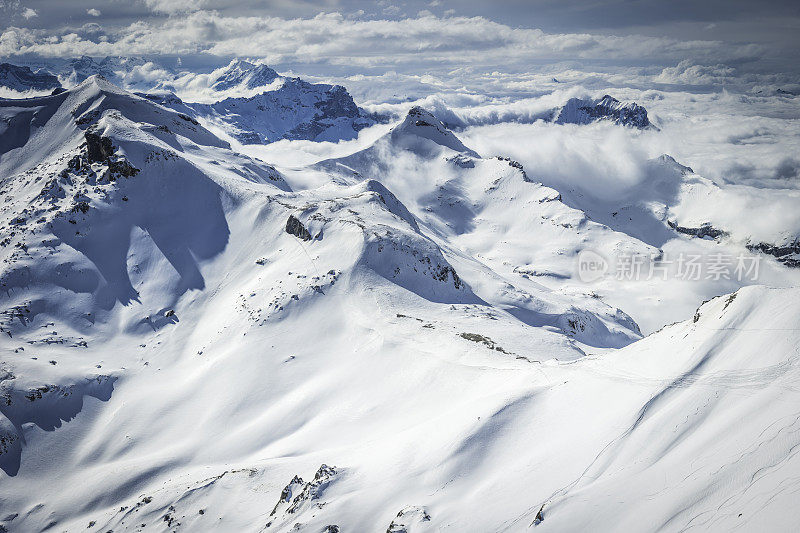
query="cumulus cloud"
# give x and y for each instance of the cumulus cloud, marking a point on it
(687, 73)
(427, 54)
(335, 39)
(788, 169)
(172, 7)
(600, 160)
(93, 12)
(29, 13)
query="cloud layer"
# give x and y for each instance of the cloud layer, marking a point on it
(425, 40)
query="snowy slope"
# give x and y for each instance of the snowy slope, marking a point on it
(390, 341)
(533, 235)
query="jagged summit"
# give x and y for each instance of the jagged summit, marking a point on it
(245, 75)
(296, 110)
(422, 124)
(586, 111)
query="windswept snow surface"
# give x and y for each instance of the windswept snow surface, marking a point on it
(392, 340)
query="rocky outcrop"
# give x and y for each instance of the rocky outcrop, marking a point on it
(407, 518)
(296, 228)
(788, 254)
(299, 496)
(98, 149)
(703, 231)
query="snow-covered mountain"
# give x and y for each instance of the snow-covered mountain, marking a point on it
(252, 103)
(244, 74)
(584, 111)
(22, 78)
(295, 110)
(395, 339)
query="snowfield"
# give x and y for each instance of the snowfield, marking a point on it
(394, 339)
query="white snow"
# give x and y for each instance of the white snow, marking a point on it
(393, 338)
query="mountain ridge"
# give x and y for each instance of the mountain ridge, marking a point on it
(395, 339)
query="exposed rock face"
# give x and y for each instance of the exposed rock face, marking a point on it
(788, 254)
(296, 228)
(706, 230)
(23, 78)
(298, 497)
(583, 111)
(98, 148)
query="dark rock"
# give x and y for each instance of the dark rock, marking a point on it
(75, 163)
(296, 228)
(98, 148)
(441, 273)
(782, 253)
(539, 516)
(705, 230)
(123, 168)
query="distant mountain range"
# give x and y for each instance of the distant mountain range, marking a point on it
(21, 78)
(276, 107)
(256, 105)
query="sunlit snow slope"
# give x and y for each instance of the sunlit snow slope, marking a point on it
(193, 340)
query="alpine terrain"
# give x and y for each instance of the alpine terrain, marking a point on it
(265, 307)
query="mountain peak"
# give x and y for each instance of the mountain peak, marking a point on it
(240, 73)
(667, 161)
(421, 123)
(586, 111)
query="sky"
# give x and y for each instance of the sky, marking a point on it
(499, 47)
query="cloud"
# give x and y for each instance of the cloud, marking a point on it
(687, 73)
(427, 54)
(93, 12)
(788, 169)
(172, 7)
(29, 13)
(335, 39)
